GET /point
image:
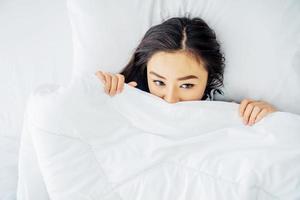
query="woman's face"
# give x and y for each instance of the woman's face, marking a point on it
(176, 76)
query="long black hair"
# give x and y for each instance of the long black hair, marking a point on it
(179, 33)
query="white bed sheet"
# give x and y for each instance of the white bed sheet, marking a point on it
(8, 167)
(35, 48)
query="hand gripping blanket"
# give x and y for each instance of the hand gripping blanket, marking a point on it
(136, 146)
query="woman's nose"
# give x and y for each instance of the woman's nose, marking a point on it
(171, 96)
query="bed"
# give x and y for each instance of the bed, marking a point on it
(78, 143)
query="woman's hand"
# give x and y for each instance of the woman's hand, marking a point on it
(253, 111)
(113, 83)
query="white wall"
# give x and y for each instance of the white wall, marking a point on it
(35, 48)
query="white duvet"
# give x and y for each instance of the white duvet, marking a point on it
(136, 146)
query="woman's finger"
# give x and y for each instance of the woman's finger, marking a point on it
(114, 84)
(253, 115)
(121, 80)
(107, 82)
(132, 83)
(247, 113)
(101, 76)
(243, 106)
(261, 115)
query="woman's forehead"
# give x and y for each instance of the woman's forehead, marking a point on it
(176, 63)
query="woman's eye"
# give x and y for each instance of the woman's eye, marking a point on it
(187, 86)
(159, 83)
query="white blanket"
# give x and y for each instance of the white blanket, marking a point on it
(136, 146)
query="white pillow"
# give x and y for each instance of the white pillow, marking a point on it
(260, 39)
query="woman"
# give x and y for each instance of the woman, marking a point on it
(180, 60)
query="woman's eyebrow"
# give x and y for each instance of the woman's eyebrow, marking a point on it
(180, 79)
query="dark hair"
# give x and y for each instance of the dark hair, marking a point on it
(179, 33)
